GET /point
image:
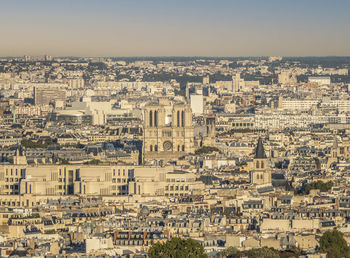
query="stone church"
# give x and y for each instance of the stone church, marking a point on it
(168, 131)
(261, 172)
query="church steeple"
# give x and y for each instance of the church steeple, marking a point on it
(259, 151)
(261, 173)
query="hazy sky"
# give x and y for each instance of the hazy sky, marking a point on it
(174, 27)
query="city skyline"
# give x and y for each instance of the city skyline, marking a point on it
(164, 28)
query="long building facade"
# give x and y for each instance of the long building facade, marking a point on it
(24, 185)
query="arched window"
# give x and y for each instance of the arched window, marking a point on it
(178, 147)
(183, 147)
(262, 164)
(156, 118)
(155, 147)
(178, 118)
(182, 118)
(257, 164)
(151, 118)
(150, 148)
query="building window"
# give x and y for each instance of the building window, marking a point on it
(257, 164)
(178, 118)
(183, 147)
(155, 118)
(182, 118)
(150, 148)
(150, 118)
(155, 147)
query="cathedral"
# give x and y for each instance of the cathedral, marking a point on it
(261, 173)
(168, 131)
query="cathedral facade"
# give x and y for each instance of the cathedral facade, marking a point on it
(168, 131)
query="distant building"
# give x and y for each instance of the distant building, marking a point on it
(76, 83)
(320, 80)
(197, 104)
(286, 77)
(43, 97)
(168, 131)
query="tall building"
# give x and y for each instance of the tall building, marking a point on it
(261, 173)
(168, 131)
(197, 104)
(237, 83)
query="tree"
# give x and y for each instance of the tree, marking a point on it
(94, 162)
(263, 252)
(177, 248)
(334, 244)
(323, 187)
(229, 252)
(206, 150)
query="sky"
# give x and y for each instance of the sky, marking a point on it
(123, 28)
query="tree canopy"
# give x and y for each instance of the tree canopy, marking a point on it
(334, 244)
(206, 149)
(177, 248)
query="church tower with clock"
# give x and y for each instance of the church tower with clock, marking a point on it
(168, 131)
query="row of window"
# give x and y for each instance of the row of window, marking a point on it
(242, 124)
(9, 203)
(11, 187)
(119, 171)
(11, 179)
(155, 148)
(13, 172)
(176, 188)
(260, 176)
(258, 164)
(119, 180)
